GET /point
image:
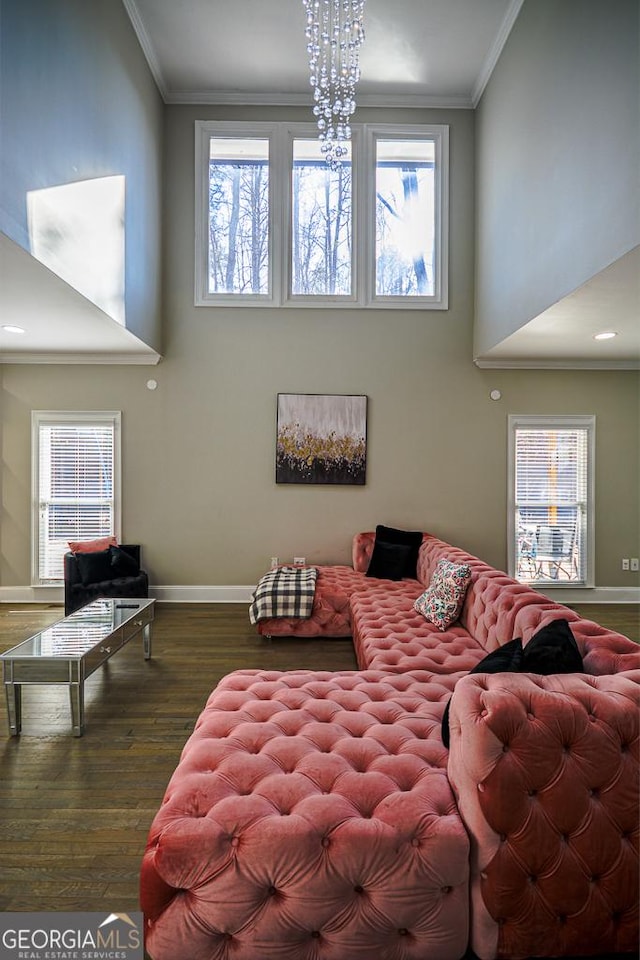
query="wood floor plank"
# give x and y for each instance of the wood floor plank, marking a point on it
(623, 617)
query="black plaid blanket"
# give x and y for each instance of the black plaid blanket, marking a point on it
(285, 592)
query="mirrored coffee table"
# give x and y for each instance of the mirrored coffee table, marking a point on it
(69, 651)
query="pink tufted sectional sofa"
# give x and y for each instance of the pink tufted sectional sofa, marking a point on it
(318, 814)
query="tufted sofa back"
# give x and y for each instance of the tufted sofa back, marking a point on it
(430, 552)
(498, 609)
(545, 773)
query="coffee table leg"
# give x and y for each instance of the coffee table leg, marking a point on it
(146, 641)
(76, 695)
(13, 693)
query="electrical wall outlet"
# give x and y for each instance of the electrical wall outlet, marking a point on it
(635, 563)
(274, 563)
(625, 563)
(299, 561)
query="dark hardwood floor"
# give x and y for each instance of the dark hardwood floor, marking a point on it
(76, 811)
(623, 617)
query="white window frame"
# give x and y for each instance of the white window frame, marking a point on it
(310, 132)
(545, 423)
(69, 417)
(205, 130)
(439, 133)
(281, 136)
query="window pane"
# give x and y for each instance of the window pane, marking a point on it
(321, 230)
(80, 462)
(405, 218)
(238, 215)
(551, 504)
(76, 494)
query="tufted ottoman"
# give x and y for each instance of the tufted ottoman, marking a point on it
(310, 816)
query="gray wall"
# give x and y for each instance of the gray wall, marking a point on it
(77, 101)
(198, 453)
(558, 154)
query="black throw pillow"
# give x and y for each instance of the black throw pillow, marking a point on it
(408, 538)
(551, 650)
(122, 563)
(388, 560)
(506, 659)
(94, 567)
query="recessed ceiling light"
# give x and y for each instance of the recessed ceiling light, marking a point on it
(605, 335)
(12, 328)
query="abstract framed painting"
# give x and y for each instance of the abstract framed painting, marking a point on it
(321, 438)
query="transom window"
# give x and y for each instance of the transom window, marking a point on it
(238, 216)
(405, 218)
(321, 245)
(276, 226)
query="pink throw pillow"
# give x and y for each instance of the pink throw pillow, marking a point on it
(92, 546)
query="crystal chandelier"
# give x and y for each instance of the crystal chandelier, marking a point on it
(335, 30)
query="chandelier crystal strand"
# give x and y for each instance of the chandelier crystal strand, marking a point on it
(335, 31)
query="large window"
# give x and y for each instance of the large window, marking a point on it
(321, 223)
(76, 484)
(238, 216)
(276, 226)
(405, 218)
(551, 500)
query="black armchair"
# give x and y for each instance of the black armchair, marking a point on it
(109, 573)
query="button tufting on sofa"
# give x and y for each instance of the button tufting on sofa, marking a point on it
(296, 788)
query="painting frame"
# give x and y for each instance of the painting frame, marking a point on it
(321, 439)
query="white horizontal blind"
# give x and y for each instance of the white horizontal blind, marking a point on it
(76, 479)
(552, 503)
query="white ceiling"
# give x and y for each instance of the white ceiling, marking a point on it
(416, 53)
(60, 325)
(563, 335)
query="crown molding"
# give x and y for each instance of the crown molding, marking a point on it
(258, 99)
(147, 47)
(556, 364)
(493, 56)
(143, 359)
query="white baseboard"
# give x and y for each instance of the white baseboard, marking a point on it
(32, 595)
(214, 594)
(163, 594)
(569, 595)
(242, 594)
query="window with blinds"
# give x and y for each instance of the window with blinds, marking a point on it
(551, 500)
(76, 488)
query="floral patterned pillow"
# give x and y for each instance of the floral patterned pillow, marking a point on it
(442, 601)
